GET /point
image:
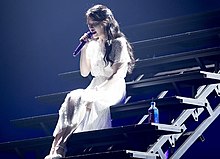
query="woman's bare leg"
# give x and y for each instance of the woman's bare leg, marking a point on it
(59, 142)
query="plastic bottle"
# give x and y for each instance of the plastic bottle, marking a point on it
(153, 113)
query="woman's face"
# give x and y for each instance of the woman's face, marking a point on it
(96, 27)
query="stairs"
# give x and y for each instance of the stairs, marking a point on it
(178, 66)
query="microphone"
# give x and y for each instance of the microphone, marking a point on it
(82, 43)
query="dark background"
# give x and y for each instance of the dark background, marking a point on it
(37, 38)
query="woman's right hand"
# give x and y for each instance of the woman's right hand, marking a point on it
(86, 36)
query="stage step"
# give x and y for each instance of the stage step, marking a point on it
(203, 59)
(155, 85)
(192, 40)
(98, 140)
(177, 81)
(140, 108)
(45, 122)
(174, 25)
(123, 111)
(120, 154)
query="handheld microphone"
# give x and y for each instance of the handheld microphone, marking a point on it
(82, 43)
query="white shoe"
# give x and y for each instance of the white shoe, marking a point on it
(53, 156)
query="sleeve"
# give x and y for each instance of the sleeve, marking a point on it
(89, 48)
(119, 53)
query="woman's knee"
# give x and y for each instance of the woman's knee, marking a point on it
(74, 96)
(72, 99)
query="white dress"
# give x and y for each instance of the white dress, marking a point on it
(74, 111)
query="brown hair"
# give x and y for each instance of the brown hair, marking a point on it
(102, 14)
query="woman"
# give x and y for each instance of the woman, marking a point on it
(108, 56)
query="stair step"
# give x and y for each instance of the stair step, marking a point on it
(140, 108)
(35, 120)
(45, 122)
(178, 38)
(26, 143)
(154, 65)
(135, 137)
(120, 154)
(53, 97)
(154, 85)
(169, 82)
(171, 44)
(103, 155)
(123, 111)
(174, 25)
(99, 140)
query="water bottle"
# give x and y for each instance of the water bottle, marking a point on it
(153, 113)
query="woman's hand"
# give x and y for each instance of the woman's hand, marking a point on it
(85, 37)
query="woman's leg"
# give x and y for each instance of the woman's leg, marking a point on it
(59, 142)
(70, 114)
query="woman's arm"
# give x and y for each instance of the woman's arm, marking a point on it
(118, 70)
(119, 55)
(85, 66)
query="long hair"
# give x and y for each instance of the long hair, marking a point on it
(102, 14)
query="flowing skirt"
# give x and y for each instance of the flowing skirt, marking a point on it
(88, 109)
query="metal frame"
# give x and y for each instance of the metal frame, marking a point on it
(200, 99)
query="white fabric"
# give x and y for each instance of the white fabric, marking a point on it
(88, 109)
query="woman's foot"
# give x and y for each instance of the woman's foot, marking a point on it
(56, 152)
(53, 156)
